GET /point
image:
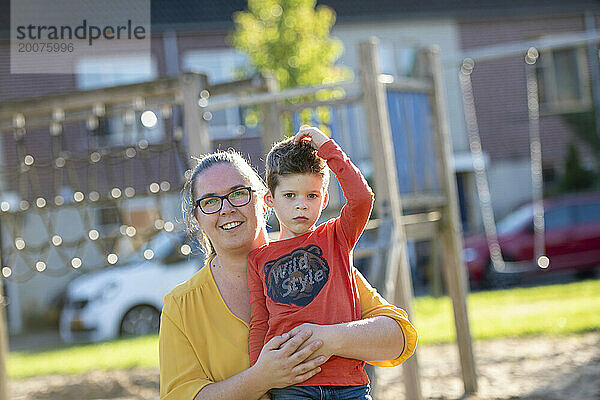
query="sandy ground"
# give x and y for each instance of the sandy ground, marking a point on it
(539, 368)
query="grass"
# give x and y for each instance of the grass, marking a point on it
(544, 310)
(118, 354)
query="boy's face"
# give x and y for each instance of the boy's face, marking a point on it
(298, 201)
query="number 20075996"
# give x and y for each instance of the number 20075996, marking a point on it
(44, 47)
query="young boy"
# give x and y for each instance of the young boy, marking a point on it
(306, 276)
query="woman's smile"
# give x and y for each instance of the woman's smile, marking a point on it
(231, 225)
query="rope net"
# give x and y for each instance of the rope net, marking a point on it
(81, 195)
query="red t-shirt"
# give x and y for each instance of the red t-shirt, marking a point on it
(308, 278)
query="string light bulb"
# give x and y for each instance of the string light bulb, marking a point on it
(148, 119)
(58, 115)
(166, 111)
(56, 240)
(130, 231)
(185, 249)
(130, 152)
(95, 157)
(148, 254)
(55, 128)
(129, 191)
(40, 266)
(19, 243)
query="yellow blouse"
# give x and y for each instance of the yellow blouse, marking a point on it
(201, 341)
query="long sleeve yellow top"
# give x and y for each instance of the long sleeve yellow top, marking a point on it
(201, 341)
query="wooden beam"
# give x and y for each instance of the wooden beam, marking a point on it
(196, 127)
(86, 99)
(3, 347)
(403, 84)
(260, 98)
(271, 124)
(398, 285)
(254, 84)
(451, 227)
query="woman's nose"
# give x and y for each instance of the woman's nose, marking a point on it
(226, 208)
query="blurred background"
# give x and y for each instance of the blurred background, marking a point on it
(94, 159)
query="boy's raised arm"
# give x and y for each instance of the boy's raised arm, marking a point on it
(355, 213)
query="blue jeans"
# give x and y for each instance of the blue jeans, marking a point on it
(322, 393)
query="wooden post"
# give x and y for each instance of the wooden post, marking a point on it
(271, 124)
(3, 330)
(435, 266)
(451, 227)
(398, 285)
(196, 128)
(3, 347)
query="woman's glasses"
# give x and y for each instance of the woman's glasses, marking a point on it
(213, 204)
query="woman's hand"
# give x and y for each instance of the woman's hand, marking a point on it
(323, 333)
(289, 359)
(372, 339)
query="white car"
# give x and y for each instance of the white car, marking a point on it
(126, 300)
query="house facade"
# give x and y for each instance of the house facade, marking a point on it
(566, 88)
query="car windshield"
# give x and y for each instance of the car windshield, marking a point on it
(165, 245)
(515, 220)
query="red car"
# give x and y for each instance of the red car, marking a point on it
(572, 241)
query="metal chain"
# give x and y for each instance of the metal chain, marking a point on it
(481, 181)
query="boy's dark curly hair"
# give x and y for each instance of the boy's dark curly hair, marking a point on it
(287, 158)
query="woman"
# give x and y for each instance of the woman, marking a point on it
(205, 321)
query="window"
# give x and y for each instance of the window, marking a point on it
(220, 65)
(99, 72)
(398, 60)
(108, 220)
(515, 220)
(563, 83)
(559, 217)
(589, 212)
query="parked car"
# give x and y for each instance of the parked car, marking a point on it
(126, 300)
(572, 241)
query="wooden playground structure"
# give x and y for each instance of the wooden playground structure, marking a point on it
(433, 214)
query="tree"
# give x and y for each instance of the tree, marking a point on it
(290, 39)
(576, 177)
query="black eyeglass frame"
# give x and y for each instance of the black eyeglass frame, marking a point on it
(225, 197)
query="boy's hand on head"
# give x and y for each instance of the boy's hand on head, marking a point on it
(312, 135)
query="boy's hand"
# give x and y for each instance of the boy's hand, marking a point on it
(312, 135)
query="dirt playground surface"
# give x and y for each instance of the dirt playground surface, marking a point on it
(538, 368)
